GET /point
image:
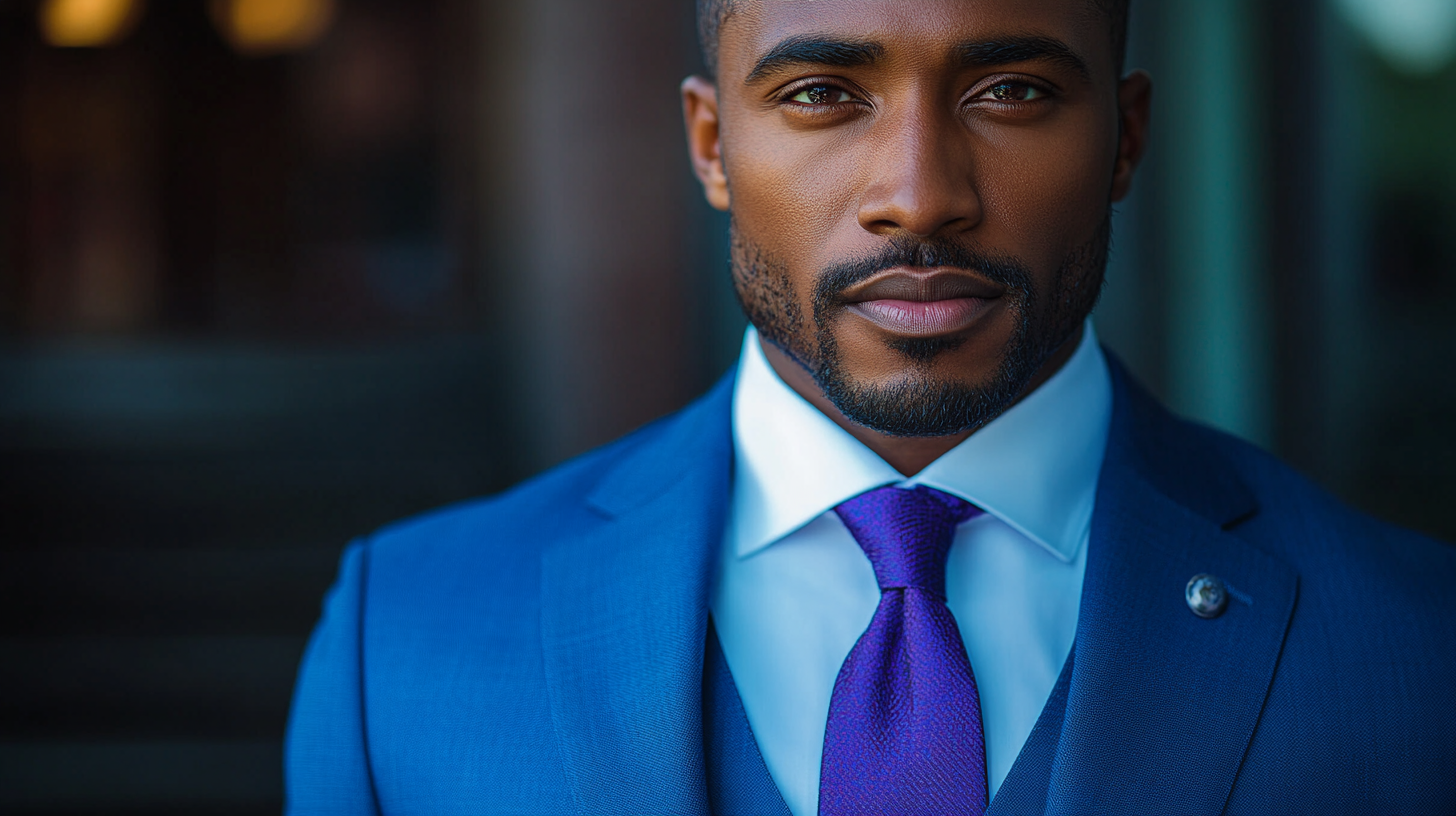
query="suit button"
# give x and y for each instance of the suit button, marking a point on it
(1207, 596)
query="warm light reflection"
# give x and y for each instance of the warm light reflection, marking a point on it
(271, 26)
(87, 23)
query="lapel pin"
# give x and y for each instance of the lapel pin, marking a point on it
(1206, 595)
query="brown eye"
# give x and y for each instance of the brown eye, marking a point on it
(1015, 92)
(820, 95)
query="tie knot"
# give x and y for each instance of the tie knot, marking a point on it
(906, 533)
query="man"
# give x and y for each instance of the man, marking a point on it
(927, 550)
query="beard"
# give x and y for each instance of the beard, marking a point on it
(918, 402)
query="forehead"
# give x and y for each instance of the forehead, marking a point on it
(918, 28)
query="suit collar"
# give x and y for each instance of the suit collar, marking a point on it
(624, 617)
(675, 446)
(1162, 703)
(1180, 461)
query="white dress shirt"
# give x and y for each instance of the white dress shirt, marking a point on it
(794, 592)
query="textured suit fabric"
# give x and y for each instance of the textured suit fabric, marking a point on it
(738, 780)
(541, 652)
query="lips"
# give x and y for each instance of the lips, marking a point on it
(923, 303)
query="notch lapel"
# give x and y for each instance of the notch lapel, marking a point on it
(1163, 703)
(624, 619)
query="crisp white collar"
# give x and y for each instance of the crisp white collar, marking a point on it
(1034, 467)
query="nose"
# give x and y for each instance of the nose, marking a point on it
(922, 182)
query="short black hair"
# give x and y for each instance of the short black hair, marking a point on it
(712, 13)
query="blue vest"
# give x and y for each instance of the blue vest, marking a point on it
(739, 783)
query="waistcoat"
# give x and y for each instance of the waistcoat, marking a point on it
(739, 783)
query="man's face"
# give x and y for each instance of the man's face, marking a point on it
(919, 192)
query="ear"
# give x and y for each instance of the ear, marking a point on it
(1134, 105)
(700, 114)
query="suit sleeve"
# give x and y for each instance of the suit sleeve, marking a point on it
(326, 756)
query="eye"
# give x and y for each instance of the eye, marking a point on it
(820, 95)
(1014, 92)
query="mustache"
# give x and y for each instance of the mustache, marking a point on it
(1006, 270)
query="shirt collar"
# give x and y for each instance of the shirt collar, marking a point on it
(1034, 467)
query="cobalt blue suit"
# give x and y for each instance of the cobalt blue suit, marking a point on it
(542, 651)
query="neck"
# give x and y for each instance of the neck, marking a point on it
(907, 454)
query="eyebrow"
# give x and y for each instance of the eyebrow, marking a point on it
(837, 53)
(812, 50)
(993, 53)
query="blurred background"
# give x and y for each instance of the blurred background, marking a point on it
(276, 272)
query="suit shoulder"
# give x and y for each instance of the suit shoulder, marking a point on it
(526, 514)
(1307, 523)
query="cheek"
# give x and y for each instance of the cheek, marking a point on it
(793, 194)
(1046, 190)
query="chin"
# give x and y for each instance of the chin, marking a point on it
(965, 360)
(922, 401)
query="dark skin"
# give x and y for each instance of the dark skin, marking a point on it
(912, 126)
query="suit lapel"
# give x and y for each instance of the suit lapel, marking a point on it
(624, 616)
(1163, 703)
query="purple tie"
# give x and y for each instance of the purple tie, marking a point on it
(904, 734)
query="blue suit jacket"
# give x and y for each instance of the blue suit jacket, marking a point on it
(541, 652)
